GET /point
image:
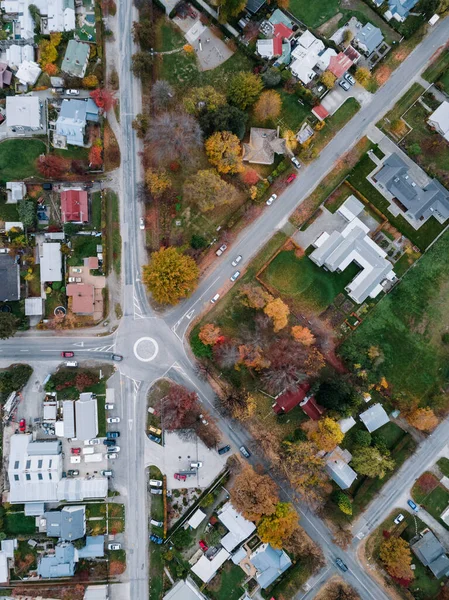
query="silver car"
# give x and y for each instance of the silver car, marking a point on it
(271, 199)
(234, 277)
(236, 260)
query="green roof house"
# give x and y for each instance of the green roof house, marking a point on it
(76, 59)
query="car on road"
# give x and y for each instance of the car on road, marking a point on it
(350, 79)
(156, 539)
(236, 260)
(58, 90)
(224, 449)
(114, 546)
(111, 455)
(291, 178)
(341, 565)
(67, 354)
(234, 277)
(108, 442)
(271, 199)
(399, 519)
(296, 162)
(344, 84)
(116, 357)
(244, 450)
(141, 223)
(113, 434)
(154, 438)
(156, 482)
(109, 407)
(73, 473)
(412, 505)
(94, 442)
(22, 425)
(114, 449)
(180, 477)
(75, 451)
(204, 547)
(196, 465)
(73, 92)
(221, 249)
(214, 299)
(107, 473)
(113, 420)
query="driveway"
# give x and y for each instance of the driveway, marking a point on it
(335, 98)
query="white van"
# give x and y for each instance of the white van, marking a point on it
(157, 523)
(71, 363)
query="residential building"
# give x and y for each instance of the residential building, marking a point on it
(431, 553)
(278, 30)
(28, 73)
(238, 527)
(305, 57)
(96, 592)
(59, 564)
(76, 59)
(56, 15)
(269, 564)
(51, 262)
(74, 205)
(67, 524)
(346, 424)
(374, 417)
(23, 113)
(337, 250)
(263, 145)
(83, 298)
(311, 408)
(94, 547)
(86, 417)
(368, 38)
(439, 120)
(399, 9)
(338, 469)
(339, 64)
(10, 278)
(196, 519)
(5, 76)
(287, 401)
(15, 191)
(16, 55)
(206, 567)
(414, 201)
(4, 568)
(184, 590)
(72, 121)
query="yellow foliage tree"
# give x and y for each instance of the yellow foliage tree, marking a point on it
(244, 410)
(209, 334)
(328, 434)
(224, 152)
(328, 79)
(47, 52)
(278, 311)
(362, 75)
(423, 419)
(290, 137)
(90, 82)
(170, 275)
(158, 182)
(275, 529)
(268, 107)
(396, 555)
(303, 335)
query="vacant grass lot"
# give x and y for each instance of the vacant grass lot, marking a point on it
(438, 67)
(8, 212)
(314, 14)
(293, 113)
(83, 246)
(434, 501)
(18, 158)
(411, 96)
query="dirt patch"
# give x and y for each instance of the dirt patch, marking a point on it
(382, 74)
(330, 27)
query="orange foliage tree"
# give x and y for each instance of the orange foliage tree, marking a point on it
(278, 311)
(209, 334)
(303, 335)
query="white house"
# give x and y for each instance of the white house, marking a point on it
(440, 120)
(23, 112)
(28, 72)
(15, 55)
(56, 15)
(306, 56)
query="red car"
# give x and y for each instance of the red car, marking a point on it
(291, 178)
(203, 545)
(22, 425)
(180, 477)
(67, 354)
(76, 450)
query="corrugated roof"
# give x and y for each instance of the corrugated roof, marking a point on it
(374, 417)
(10, 278)
(51, 262)
(68, 412)
(86, 417)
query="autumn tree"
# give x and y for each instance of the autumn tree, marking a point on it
(8, 325)
(170, 276)
(255, 296)
(224, 152)
(157, 181)
(141, 64)
(304, 467)
(174, 136)
(278, 311)
(90, 82)
(328, 79)
(178, 409)
(47, 52)
(337, 589)
(244, 89)
(344, 503)
(230, 8)
(226, 118)
(396, 555)
(362, 75)
(226, 355)
(303, 335)
(52, 165)
(161, 95)
(254, 495)
(287, 365)
(348, 36)
(250, 176)
(252, 357)
(140, 125)
(371, 462)
(290, 137)
(103, 98)
(271, 77)
(268, 106)
(95, 157)
(207, 189)
(423, 419)
(209, 334)
(328, 434)
(201, 99)
(240, 406)
(274, 529)
(300, 545)
(51, 69)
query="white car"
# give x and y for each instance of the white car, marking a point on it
(111, 455)
(156, 482)
(271, 199)
(113, 449)
(399, 519)
(113, 420)
(296, 162)
(236, 260)
(215, 298)
(109, 407)
(196, 465)
(234, 277)
(350, 78)
(94, 442)
(114, 546)
(73, 92)
(141, 223)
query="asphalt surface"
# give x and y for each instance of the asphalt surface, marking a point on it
(152, 344)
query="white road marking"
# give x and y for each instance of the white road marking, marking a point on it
(145, 341)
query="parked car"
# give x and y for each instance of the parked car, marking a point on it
(114, 449)
(141, 223)
(399, 519)
(341, 565)
(234, 277)
(156, 482)
(236, 260)
(412, 505)
(224, 449)
(215, 298)
(344, 84)
(204, 547)
(73, 92)
(114, 546)
(154, 438)
(67, 354)
(157, 523)
(271, 199)
(71, 363)
(22, 425)
(108, 442)
(111, 455)
(75, 280)
(58, 90)
(113, 434)
(180, 477)
(113, 420)
(244, 450)
(107, 473)
(154, 430)
(77, 269)
(94, 442)
(156, 539)
(155, 491)
(350, 79)
(75, 451)
(221, 249)
(109, 407)
(116, 357)
(291, 178)
(73, 473)
(196, 465)
(296, 162)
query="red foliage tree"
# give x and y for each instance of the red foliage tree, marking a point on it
(84, 380)
(51, 165)
(427, 482)
(103, 98)
(250, 176)
(95, 158)
(179, 409)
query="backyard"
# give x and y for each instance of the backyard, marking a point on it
(227, 584)
(18, 158)
(83, 246)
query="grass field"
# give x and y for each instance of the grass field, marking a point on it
(8, 212)
(314, 14)
(18, 158)
(411, 96)
(287, 587)
(434, 502)
(227, 584)
(113, 237)
(438, 68)
(293, 113)
(168, 36)
(96, 210)
(18, 524)
(83, 246)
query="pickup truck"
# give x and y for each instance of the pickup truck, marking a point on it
(220, 250)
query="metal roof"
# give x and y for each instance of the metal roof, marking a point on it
(86, 417)
(68, 413)
(269, 563)
(238, 527)
(51, 262)
(374, 417)
(10, 278)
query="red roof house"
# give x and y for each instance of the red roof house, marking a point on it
(291, 398)
(82, 298)
(320, 112)
(74, 206)
(282, 31)
(338, 65)
(311, 408)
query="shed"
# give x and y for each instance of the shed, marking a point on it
(34, 307)
(374, 417)
(68, 411)
(196, 519)
(96, 592)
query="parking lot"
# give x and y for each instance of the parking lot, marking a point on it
(78, 461)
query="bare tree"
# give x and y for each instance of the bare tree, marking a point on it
(287, 365)
(226, 355)
(162, 95)
(174, 136)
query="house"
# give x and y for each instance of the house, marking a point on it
(94, 547)
(184, 590)
(263, 145)
(28, 73)
(311, 408)
(338, 469)
(4, 568)
(346, 424)
(269, 564)
(16, 55)
(96, 592)
(399, 9)
(339, 64)
(72, 121)
(325, 58)
(86, 417)
(5, 76)
(287, 401)
(238, 527)
(369, 38)
(23, 112)
(352, 53)
(306, 56)
(416, 202)
(432, 554)
(374, 417)
(76, 59)
(15, 191)
(439, 120)
(206, 567)
(57, 15)
(196, 519)
(10, 278)
(51, 262)
(278, 29)
(68, 524)
(74, 205)
(83, 298)
(253, 6)
(59, 564)
(337, 250)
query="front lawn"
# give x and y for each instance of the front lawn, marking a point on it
(83, 246)
(434, 502)
(293, 113)
(227, 584)
(438, 67)
(167, 36)
(18, 159)
(8, 212)
(96, 210)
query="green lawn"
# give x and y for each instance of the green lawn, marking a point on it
(304, 282)
(434, 502)
(438, 67)
(96, 210)
(8, 212)
(443, 464)
(73, 153)
(18, 524)
(287, 587)
(113, 238)
(18, 158)
(293, 113)
(410, 96)
(168, 36)
(95, 509)
(83, 246)
(156, 571)
(444, 80)
(227, 585)
(314, 14)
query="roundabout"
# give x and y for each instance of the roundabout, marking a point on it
(146, 349)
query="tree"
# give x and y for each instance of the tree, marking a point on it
(304, 467)
(254, 495)
(338, 590)
(157, 181)
(362, 75)
(268, 107)
(47, 52)
(278, 311)
(209, 334)
(95, 157)
(227, 118)
(328, 434)
(174, 136)
(244, 89)
(170, 276)
(51, 69)
(27, 212)
(143, 32)
(414, 149)
(253, 357)
(103, 98)
(141, 64)
(423, 419)
(224, 152)
(328, 79)
(90, 82)
(274, 529)
(303, 335)
(207, 189)
(140, 125)
(230, 8)
(287, 365)
(255, 296)
(35, 14)
(179, 408)
(272, 77)
(362, 438)
(337, 394)
(198, 242)
(290, 137)
(370, 462)
(396, 555)
(348, 36)
(52, 165)
(226, 355)
(201, 99)
(162, 94)
(8, 325)
(250, 176)
(344, 503)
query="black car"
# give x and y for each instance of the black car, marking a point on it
(341, 565)
(224, 449)
(109, 442)
(116, 357)
(72, 472)
(113, 434)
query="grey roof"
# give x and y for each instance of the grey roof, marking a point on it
(4, 570)
(10, 278)
(61, 564)
(269, 563)
(374, 417)
(86, 417)
(431, 553)
(96, 592)
(71, 121)
(338, 469)
(440, 566)
(92, 110)
(419, 202)
(94, 547)
(401, 7)
(370, 37)
(76, 58)
(34, 509)
(34, 307)
(68, 414)
(184, 590)
(51, 262)
(67, 524)
(263, 145)
(8, 547)
(44, 448)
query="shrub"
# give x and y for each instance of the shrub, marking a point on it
(199, 349)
